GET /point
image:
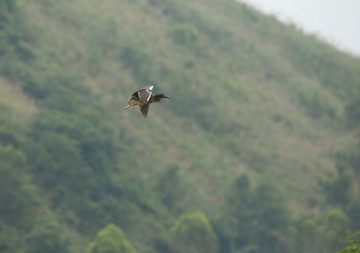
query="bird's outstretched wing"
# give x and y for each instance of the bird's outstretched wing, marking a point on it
(144, 109)
(144, 94)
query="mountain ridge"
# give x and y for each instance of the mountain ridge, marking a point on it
(251, 100)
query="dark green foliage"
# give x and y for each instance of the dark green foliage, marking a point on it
(163, 244)
(170, 187)
(17, 196)
(353, 211)
(224, 234)
(353, 111)
(10, 239)
(57, 158)
(132, 57)
(48, 236)
(111, 239)
(338, 224)
(7, 36)
(349, 159)
(67, 153)
(256, 218)
(137, 61)
(317, 104)
(31, 83)
(308, 234)
(14, 39)
(240, 191)
(354, 241)
(337, 189)
(340, 189)
(185, 34)
(7, 138)
(92, 137)
(6, 7)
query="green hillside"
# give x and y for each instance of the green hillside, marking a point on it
(257, 149)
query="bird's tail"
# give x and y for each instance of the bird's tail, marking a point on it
(126, 107)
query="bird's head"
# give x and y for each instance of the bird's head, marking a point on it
(162, 95)
(158, 97)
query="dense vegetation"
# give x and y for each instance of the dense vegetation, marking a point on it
(257, 149)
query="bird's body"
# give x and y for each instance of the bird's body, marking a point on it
(143, 98)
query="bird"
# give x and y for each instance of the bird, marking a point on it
(143, 98)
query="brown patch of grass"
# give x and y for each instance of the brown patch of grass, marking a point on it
(18, 106)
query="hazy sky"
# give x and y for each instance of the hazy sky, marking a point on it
(337, 21)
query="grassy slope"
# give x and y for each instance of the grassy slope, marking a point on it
(245, 84)
(240, 95)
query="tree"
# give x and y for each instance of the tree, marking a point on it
(56, 161)
(353, 111)
(337, 189)
(239, 215)
(17, 196)
(137, 61)
(9, 239)
(253, 218)
(193, 233)
(185, 34)
(337, 224)
(111, 239)
(170, 187)
(308, 236)
(6, 9)
(354, 241)
(48, 237)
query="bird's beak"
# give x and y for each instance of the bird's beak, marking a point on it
(166, 97)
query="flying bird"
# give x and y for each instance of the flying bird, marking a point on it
(143, 98)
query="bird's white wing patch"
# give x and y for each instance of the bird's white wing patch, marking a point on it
(149, 90)
(145, 93)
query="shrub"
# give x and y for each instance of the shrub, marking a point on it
(193, 233)
(48, 237)
(337, 223)
(110, 240)
(185, 34)
(354, 247)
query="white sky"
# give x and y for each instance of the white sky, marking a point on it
(336, 21)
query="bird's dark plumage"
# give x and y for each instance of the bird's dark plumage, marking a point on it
(143, 98)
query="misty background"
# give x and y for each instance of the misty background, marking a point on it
(335, 21)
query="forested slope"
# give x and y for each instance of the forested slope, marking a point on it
(257, 149)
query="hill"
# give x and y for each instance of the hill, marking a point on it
(259, 133)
